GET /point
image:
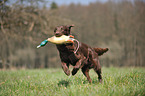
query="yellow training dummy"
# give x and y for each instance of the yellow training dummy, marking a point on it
(58, 40)
(61, 40)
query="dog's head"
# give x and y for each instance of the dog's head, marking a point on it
(62, 30)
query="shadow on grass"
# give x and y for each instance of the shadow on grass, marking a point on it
(93, 82)
(67, 83)
(63, 83)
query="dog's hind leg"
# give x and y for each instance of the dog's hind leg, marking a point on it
(97, 69)
(96, 64)
(85, 71)
(65, 68)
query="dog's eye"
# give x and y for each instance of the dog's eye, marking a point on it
(55, 30)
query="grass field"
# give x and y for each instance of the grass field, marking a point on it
(53, 82)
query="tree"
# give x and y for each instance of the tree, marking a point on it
(53, 5)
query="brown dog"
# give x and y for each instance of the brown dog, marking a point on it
(85, 57)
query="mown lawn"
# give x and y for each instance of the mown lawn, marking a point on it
(53, 82)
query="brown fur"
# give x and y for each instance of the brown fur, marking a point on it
(85, 58)
(101, 51)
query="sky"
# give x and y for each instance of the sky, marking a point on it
(83, 2)
(65, 2)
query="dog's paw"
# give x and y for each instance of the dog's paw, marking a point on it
(74, 71)
(67, 72)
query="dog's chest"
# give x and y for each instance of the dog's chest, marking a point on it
(69, 58)
(67, 54)
(66, 48)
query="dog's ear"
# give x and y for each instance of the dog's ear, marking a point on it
(67, 29)
(69, 26)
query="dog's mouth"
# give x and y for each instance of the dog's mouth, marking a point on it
(58, 34)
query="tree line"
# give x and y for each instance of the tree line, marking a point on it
(120, 26)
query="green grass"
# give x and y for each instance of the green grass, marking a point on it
(53, 82)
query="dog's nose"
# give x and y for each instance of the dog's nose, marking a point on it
(57, 34)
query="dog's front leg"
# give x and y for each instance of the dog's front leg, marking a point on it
(76, 67)
(65, 68)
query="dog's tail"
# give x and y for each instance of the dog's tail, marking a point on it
(101, 51)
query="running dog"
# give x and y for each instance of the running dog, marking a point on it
(84, 58)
